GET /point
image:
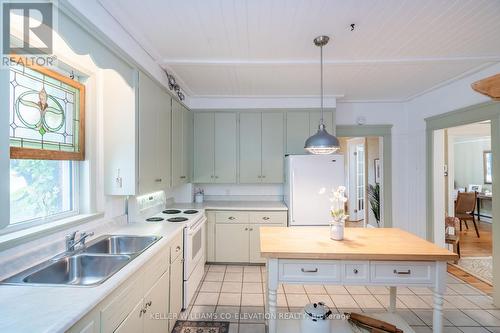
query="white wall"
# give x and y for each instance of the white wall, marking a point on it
(468, 160)
(448, 98)
(387, 114)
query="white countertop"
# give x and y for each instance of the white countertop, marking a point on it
(57, 308)
(234, 205)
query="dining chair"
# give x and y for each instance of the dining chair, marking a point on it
(452, 238)
(464, 209)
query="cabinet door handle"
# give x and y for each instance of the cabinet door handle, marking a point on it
(183, 177)
(263, 176)
(158, 180)
(177, 249)
(251, 229)
(259, 177)
(408, 272)
(265, 218)
(231, 218)
(246, 229)
(309, 270)
(355, 271)
(216, 177)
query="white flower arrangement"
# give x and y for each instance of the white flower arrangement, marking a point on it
(338, 200)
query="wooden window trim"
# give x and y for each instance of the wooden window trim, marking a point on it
(46, 154)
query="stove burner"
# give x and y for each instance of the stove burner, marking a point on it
(177, 219)
(190, 211)
(155, 219)
(171, 211)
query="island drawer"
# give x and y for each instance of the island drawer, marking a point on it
(310, 271)
(268, 217)
(395, 272)
(231, 217)
(355, 271)
(176, 247)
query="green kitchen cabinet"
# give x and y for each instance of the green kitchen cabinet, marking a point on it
(181, 144)
(204, 149)
(297, 131)
(225, 139)
(215, 143)
(261, 147)
(154, 136)
(273, 153)
(250, 147)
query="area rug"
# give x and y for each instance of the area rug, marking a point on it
(481, 267)
(188, 326)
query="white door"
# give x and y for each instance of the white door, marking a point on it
(357, 186)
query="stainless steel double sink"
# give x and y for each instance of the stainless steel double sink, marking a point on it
(88, 266)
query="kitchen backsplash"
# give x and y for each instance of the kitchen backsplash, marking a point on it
(242, 192)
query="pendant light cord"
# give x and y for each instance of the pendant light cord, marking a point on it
(321, 66)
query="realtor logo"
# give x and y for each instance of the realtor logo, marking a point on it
(27, 28)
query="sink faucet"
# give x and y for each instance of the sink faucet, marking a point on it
(71, 242)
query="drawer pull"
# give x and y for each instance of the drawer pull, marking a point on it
(265, 218)
(408, 272)
(183, 177)
(177, 249)
(246, 229)
(231, 218)
(158, 180)
(251, 229)
(309, 270)
(355, 271)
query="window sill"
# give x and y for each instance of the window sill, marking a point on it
(15, 238)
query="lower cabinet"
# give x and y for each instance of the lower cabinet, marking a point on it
(176, 282)
(134, 321)
(231, 243)
(156, 306)
(237, 237)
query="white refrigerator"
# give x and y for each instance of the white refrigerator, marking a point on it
(309, 180)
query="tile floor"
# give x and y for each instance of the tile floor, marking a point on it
(236, 294)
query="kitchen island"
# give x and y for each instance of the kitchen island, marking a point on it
(385, 257)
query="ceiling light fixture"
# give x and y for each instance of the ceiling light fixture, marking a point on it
(322, 142)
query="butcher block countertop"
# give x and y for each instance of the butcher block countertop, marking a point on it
(358, 244)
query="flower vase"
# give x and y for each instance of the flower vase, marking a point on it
(337, 229)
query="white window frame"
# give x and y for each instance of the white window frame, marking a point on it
(8, 227)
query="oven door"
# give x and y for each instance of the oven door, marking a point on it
(195, 246)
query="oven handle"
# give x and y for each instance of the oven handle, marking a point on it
(197, 226)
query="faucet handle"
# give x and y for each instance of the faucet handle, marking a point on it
(72, 235)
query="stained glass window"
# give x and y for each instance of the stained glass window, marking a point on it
(46, 115)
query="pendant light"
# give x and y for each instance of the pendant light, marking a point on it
(322, 142)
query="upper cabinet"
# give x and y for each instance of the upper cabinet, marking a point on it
(302, 124)
(261, 147)
(148, 139)
(154, 136)
(182, 142)
(137, 137)
(215, 140)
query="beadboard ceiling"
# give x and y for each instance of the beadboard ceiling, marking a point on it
(263, 48)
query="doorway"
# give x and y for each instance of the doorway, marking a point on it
(467, 173)
(363, 165)
(463, 158)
